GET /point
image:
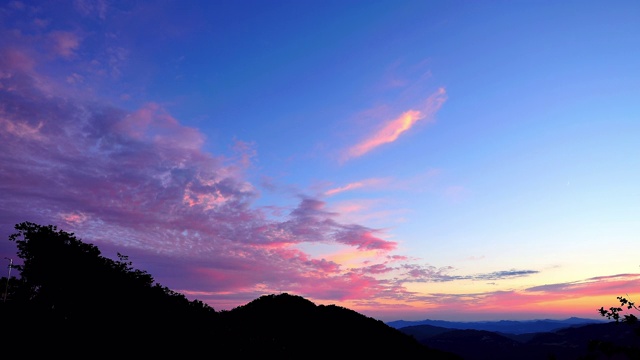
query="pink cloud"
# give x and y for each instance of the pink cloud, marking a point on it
(363, 238)
(139, 183)
(355, 185)
(341, 288)
(151, 123)
(64, 43)
(74, 218)
(595, 286)
(14, 60)
(21, 129)
(377, 269)
(394, 128)
(382, 211)
(561, 300)
(389, 133)
(417, 273)
(347, 187)
(580, 297)
(311, 222)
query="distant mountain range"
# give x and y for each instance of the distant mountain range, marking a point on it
(75, 303)
(502, 326)
(570, 339)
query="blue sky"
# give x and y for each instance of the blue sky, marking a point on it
(387, 156)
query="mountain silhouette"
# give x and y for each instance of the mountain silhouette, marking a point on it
(502, 326)
(293, 327)
(71, 301)
(599, 341)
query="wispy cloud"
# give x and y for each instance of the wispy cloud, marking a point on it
(351, 186)
(367, 183)
(592, 286)
(579, 298)
(394, 128)
(64, 43)
(98, 8)
(139, 182)
(419, 273)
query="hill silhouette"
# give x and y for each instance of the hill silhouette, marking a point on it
(71, 301)
(291, 326)
(502, 326)
(600, 341)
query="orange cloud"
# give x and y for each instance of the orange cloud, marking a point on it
(579, 298)
(350, 257)
(393, 129)
(387, 134)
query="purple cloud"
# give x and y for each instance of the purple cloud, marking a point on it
(419, 273)
(139, 183)
(64, 43)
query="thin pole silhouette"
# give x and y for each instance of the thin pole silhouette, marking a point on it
(6, 288)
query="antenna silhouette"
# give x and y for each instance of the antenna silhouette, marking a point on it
(6, 288)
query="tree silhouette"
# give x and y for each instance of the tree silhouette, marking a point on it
(73, 302)
(614, 311)
(609, 347)
(69, 292)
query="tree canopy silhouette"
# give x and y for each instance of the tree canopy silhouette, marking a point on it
(68, 290)
(70, 277)
(614, 312)
(80, 303)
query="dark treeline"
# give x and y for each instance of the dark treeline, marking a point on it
(67, 299)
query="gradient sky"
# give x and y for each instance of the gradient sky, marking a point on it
(454, 160)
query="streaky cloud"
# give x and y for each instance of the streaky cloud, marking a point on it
(350, 186)
(428, 273)
(595, 285)
(355, 185)
(394, 128)
(497, 275)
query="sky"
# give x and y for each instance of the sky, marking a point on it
(409, 160)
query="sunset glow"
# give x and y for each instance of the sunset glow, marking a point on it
(402, 159)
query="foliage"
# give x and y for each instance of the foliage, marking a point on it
(70, 277)
(77, 303)
(69, 292)
(614, 311)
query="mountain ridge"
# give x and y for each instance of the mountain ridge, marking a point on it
(504, 326)
(72, 301)
(69, 300)
(608, 340)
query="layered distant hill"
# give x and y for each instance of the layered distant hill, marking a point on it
(71, 302)
(505, 326)
(610, 340)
